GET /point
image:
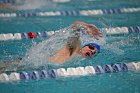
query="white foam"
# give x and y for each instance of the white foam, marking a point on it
(31, 4)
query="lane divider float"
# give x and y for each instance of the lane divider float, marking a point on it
(13, 2)
(72, 13)
(46, 34)
(62, 72)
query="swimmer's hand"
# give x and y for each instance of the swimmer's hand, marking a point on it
(91, 29)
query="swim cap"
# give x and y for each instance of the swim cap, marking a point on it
(95, 45)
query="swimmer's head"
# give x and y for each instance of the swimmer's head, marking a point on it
(90, 50)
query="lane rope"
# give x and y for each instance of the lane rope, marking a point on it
(13, 2)
(72, 13)
(56, 1)
(66, 72)
(46, 34)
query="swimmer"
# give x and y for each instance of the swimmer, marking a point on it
(73, 46)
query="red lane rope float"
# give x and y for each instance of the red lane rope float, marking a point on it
(32, 35)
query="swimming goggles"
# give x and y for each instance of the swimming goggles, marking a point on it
(89, 55)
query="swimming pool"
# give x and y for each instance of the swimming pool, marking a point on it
(120, 48)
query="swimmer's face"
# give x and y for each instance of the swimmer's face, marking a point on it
(88, 51)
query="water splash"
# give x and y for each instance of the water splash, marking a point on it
(30, 4)
(39, 54)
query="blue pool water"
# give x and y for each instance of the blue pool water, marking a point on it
(122, 48)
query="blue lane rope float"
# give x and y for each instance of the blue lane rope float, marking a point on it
(72, 13)
(46, 34)
(62, 72)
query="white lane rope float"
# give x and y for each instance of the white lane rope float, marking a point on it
(66, 72)
(46, 34)
(72, 13)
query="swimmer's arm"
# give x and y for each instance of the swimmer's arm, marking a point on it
(74, 39)
(73, 42)
(89, 28)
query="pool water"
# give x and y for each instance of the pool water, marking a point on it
(122, 48)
